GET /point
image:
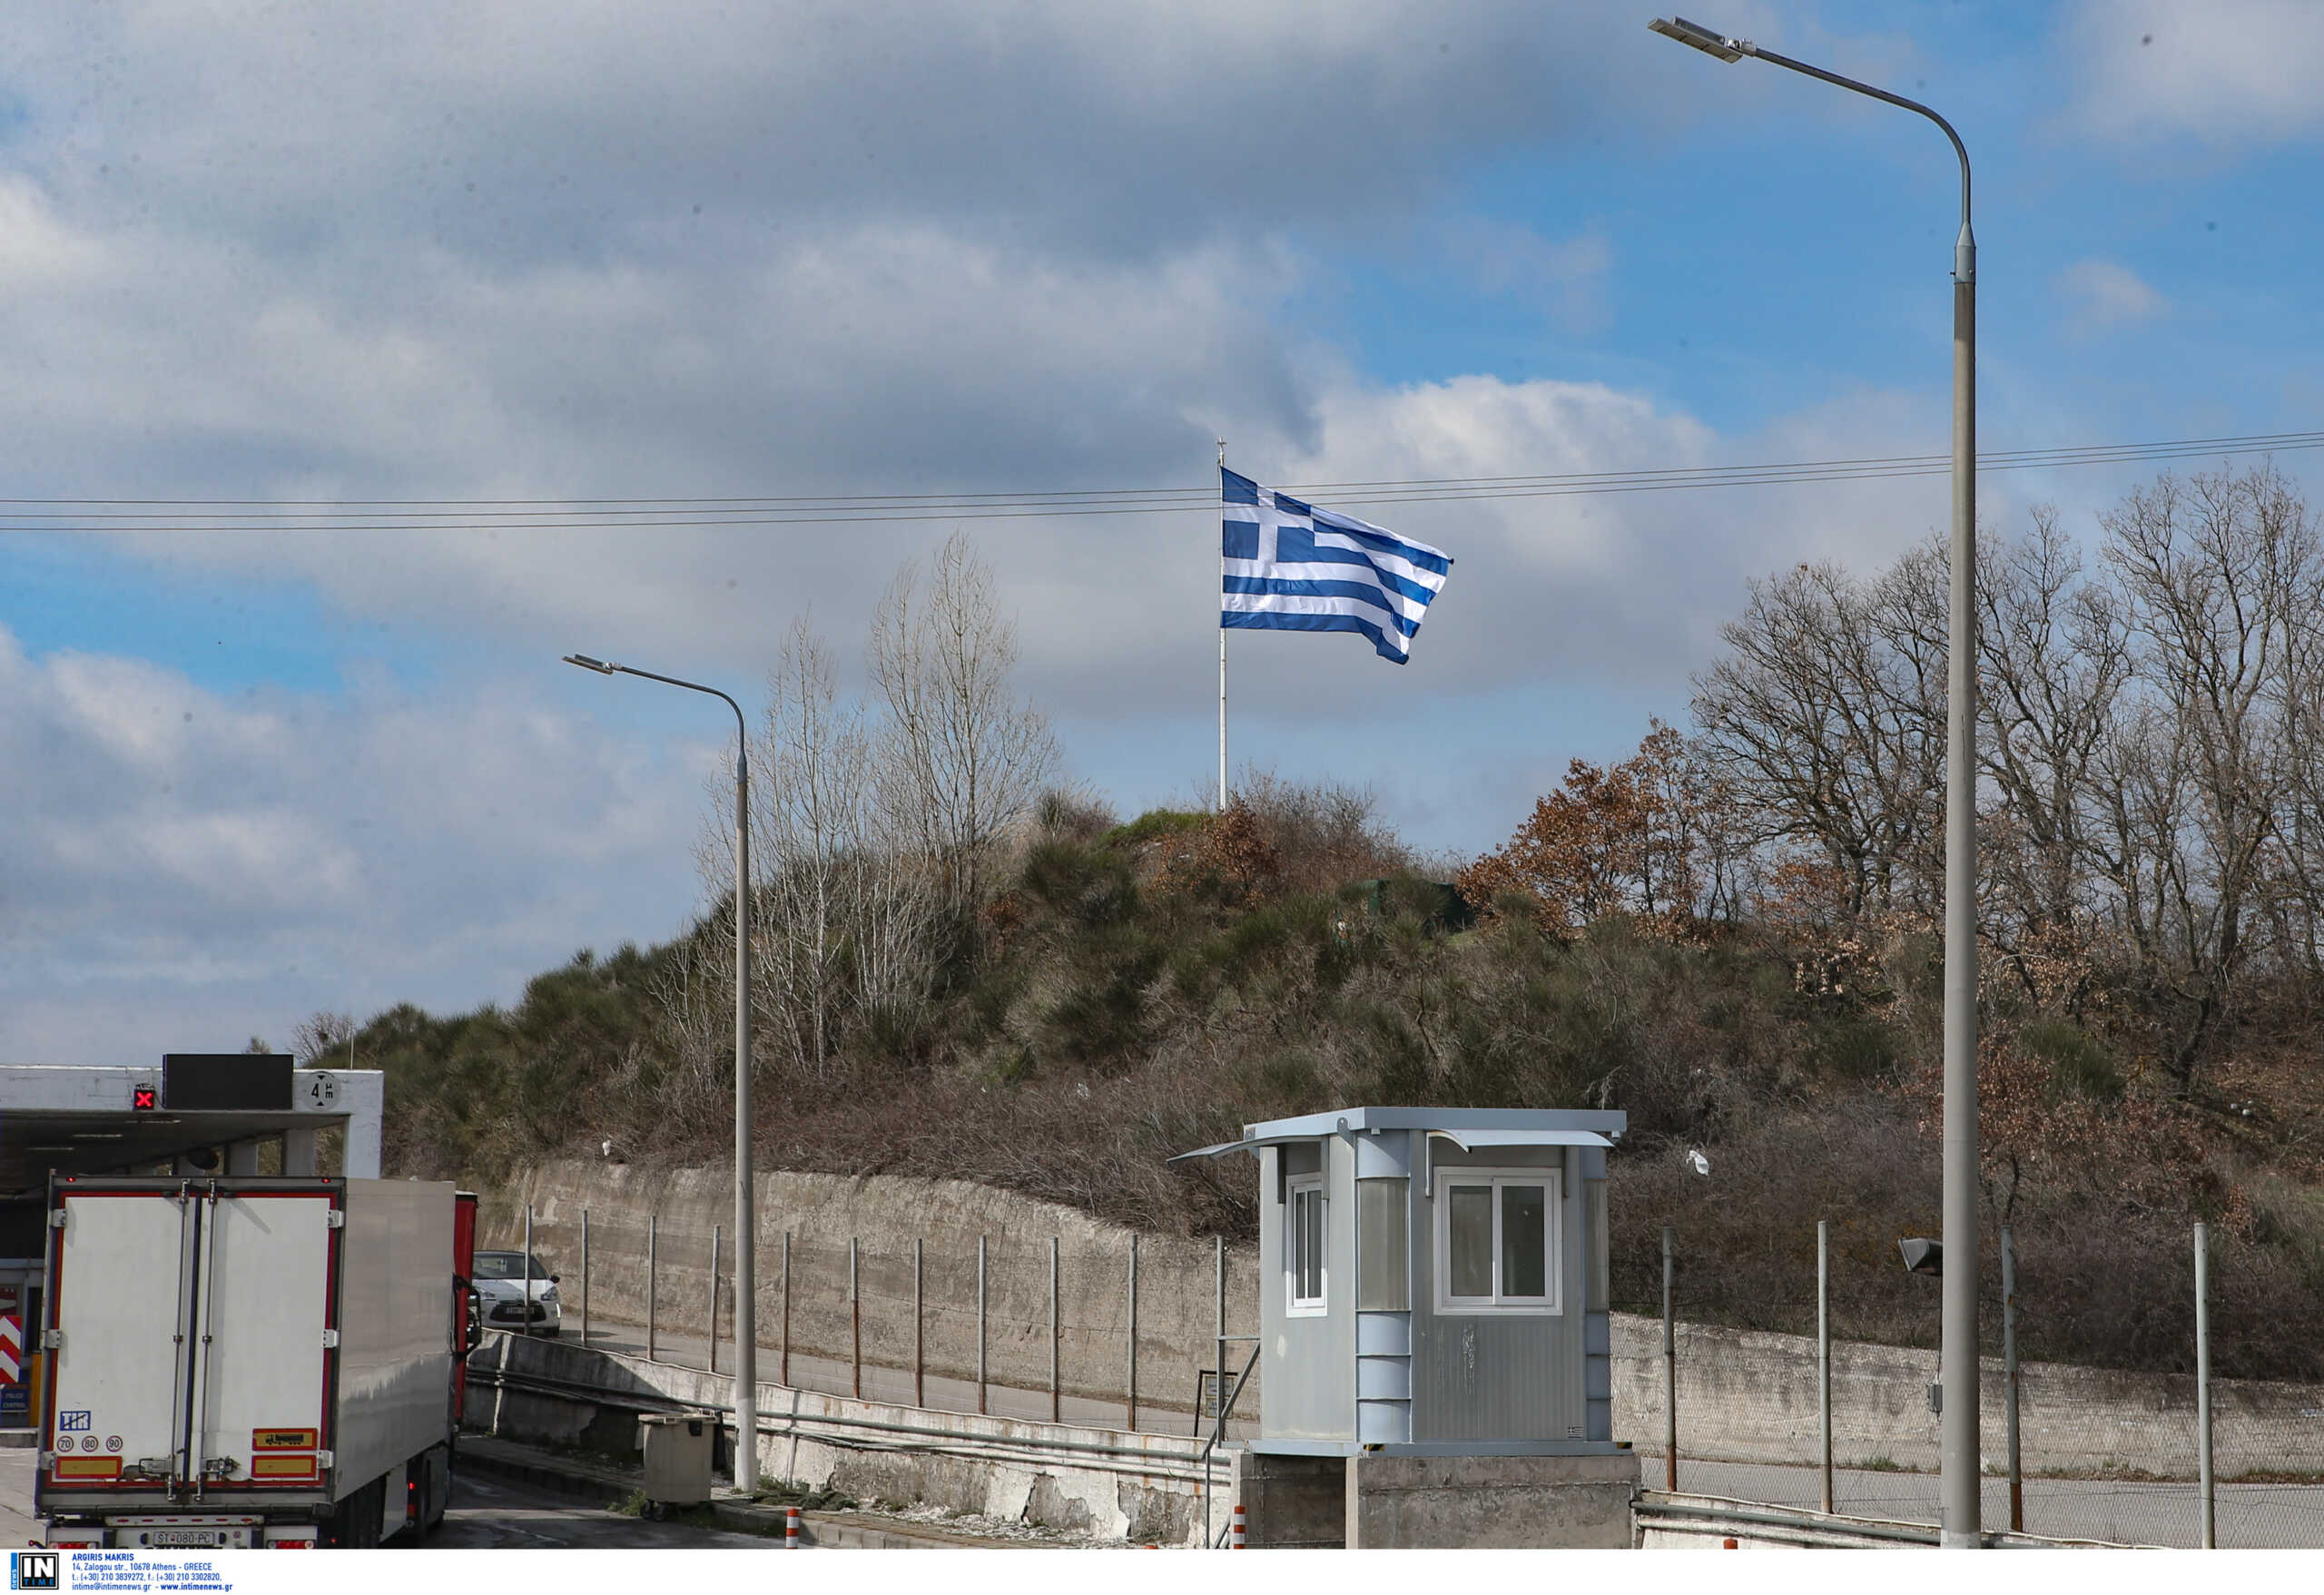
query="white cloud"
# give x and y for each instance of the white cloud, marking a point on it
(173, 852)
(2223, 71)
(433, 249)
(2106, 294)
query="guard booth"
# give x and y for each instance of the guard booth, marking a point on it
(1434, 1349)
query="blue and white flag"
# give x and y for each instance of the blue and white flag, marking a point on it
(1291, 567)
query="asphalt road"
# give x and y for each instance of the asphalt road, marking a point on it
(490, 1513)
(2250, 1516)
(486, 1513)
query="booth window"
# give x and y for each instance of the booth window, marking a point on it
(1383, 1267)
(1497, 1240)
(1303, 1243)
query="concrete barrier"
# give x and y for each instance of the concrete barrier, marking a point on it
(1703, 1523)
(1141, 1488)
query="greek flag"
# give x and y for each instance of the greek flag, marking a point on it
(1291, 567)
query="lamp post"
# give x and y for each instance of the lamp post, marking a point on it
(1957, 1358)
(746, 1340)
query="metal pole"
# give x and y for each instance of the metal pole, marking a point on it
(1957, 1357)
(653, 1267)
(1222, 665)
(715, 1241)
(1960, 1457)
(1219, 1244)
(855, 1319)
(584, 1276)
(919, 1345)
(2203, 1385)
(2009, 1376)
(746, 1422)
(1056, 1392)
(980, 1305)
(1129, 1405)
(526, 1317)
(1824, 1350)
(746, 1312)
(1669, 1372)
(786, 1309)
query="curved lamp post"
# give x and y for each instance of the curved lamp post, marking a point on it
(746, 1338)
(1957, 1366)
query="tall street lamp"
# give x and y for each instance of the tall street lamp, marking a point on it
(1958, 1365)
(746, 1337)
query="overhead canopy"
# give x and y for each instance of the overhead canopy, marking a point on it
(1253, 1145)
(1468, 1140)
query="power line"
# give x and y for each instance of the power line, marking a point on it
(423, 515)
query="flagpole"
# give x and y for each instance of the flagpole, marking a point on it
(1222, 673)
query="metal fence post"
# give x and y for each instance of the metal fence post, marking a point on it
(525, 1316)
(1824, 1350)
(1669, 1372)
(1129, 1404)
(919, 1342)
(786, 1309)
(715, 1244)
(1218, 1244)
(981, 1303)
(653, 1269)
(2203, 1385)
(1057, 1391)
(855, 1318)
(584, 1276)
(2009, 1376)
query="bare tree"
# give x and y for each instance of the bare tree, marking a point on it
(970, 756)
(2054, 654)
(2215, 573)
(1825, 720)
(844, 906)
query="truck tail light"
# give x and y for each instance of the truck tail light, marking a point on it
(73, 1545)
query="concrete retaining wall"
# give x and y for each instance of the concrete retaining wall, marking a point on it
(1745, 1396)
(1742, 1396)
(1178, 1282)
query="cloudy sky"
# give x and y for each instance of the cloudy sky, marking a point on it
(410, 251)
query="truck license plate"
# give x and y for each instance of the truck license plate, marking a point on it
(204, 1537)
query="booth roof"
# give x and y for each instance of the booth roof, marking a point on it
(1465, 1126)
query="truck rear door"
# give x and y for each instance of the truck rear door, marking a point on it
(194, 1323)
(263, 1356)
(119, 1285)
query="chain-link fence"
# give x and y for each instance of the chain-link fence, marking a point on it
(1104, 1332)
(2167, 1456)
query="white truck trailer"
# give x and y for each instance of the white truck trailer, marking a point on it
(247, 1362)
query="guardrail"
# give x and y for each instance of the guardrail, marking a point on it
(960, 1435)
(1660, 1513)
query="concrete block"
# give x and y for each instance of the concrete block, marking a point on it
(1489, 1502)
(1288, 1502)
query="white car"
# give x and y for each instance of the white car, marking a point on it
(499, 1280)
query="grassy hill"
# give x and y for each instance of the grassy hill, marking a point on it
(1130, 991)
